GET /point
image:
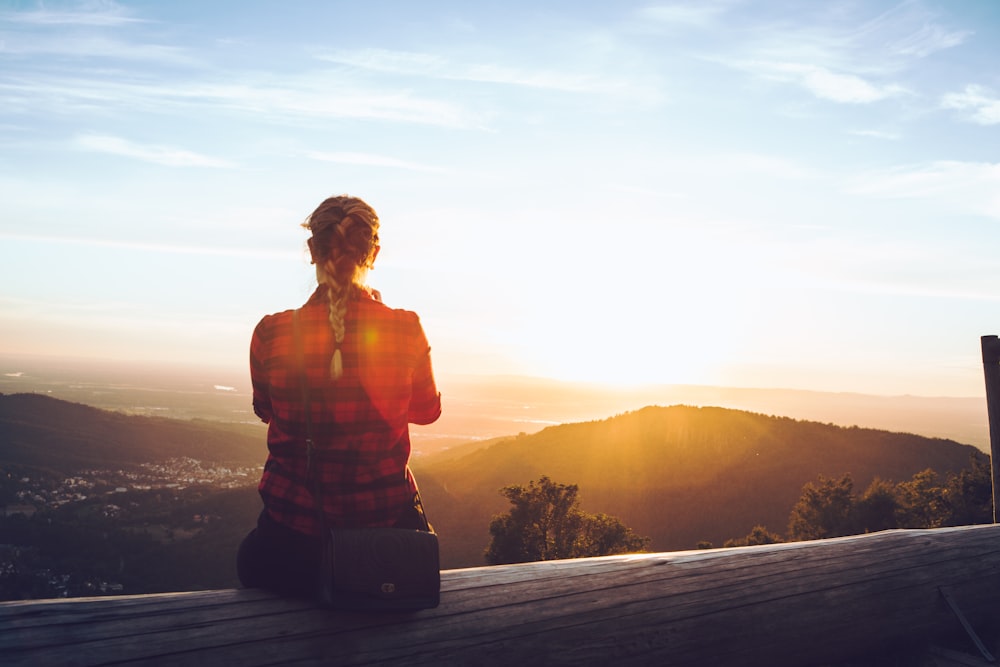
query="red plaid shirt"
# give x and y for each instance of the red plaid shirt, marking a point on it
(361, 440)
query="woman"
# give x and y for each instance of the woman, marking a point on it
(367, 371)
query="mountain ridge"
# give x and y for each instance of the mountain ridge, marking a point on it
(50, 433)
(679, 474)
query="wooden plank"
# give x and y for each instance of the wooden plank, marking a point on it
(945, 657)
(777, 605)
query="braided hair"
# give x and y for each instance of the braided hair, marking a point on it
(343, 245)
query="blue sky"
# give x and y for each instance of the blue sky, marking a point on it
(764, 194)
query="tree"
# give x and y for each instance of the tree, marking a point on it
(546, 523)
(604, 535)
(878, 508)
(829, 508)
(758, 535)
(922, 503)
(970, 494)
(824, 510)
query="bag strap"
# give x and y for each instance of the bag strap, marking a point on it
(300, 361)
(326, 555)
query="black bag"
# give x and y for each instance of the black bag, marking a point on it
(371, 569)
(381, 569)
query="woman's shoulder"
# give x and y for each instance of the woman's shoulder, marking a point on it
(274, 318)
(387, 312)
(273, 325)
(398, 319)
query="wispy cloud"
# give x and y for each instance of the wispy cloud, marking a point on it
(323, 95)
(964, 186)
(981, 105)
(701, 14)
(96, 30)
(163, 155)
(876, 134)
(825, 84)
(174, 249)
(372, 160)
(440, 67)
(95, 46)
(757, 164)
(97, 14)
(316, 95)
(844, 58)
(911, 30)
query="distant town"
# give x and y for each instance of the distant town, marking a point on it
(36, 493)
(150, 502)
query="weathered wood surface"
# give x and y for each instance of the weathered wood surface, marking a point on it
(793, 604)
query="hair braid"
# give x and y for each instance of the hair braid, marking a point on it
(343, 245)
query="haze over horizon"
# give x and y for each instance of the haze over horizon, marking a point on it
(719, 193)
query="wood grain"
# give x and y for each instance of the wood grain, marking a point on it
(788, 604)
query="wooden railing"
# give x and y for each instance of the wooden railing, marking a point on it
(789, 604)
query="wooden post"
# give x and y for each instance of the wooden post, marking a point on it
(991, 370)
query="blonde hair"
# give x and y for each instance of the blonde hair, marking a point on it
(343, 245)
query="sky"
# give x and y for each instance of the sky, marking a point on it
(756, 194)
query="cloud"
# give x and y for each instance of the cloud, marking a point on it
(928, 39)
(840, 54)
(104, 14)
(983, 107)
(440, 67)
(911, 30)
(845, 88)
(385, 60)
(94, 46)
(173, 249)
(701, 15)
(321, 95)
(317, 95)
(876, 134)
(823, 83)
(758, 164)
(163, 155)
(971, 187)
(84, 33)
(371, 160)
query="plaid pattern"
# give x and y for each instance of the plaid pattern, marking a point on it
(361, 441)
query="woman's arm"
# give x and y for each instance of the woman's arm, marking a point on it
(425, 400)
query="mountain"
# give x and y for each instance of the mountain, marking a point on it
(478, 407)
(677, 474)
(42, 432)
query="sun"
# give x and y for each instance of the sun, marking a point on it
(631, 357)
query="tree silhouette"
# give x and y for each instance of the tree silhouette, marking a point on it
(970, 493)
(878, 508)
(758, 535)
(546, 523)
(829, 508)
(824, 510)
(922, 502)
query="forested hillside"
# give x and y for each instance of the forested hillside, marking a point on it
(42, 432)
(678, 474)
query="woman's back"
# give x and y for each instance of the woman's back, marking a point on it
(364, 374)
(359, 421)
